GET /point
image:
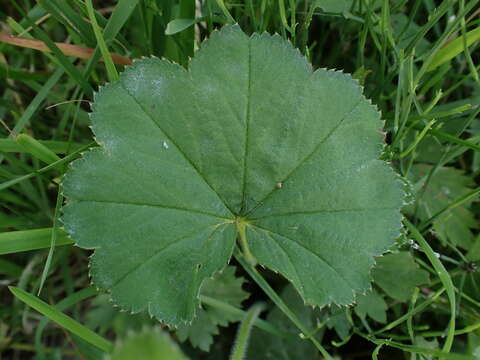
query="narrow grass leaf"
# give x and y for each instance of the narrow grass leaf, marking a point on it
(178, 25)
(122, 12)
(444, 277)
(225, 11)
(57, 147)
(36, 148)
(58, 54)
(111, 70)
(25, 240)
(66, 15)
(53, 240)
(61, 319)
(454, 48)
(64, 160)
(62, 305)
(37, 100)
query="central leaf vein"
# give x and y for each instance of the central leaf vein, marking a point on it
(247, 126)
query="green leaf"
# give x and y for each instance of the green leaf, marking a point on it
(61, 319)
(200, 332)
(25, 240)
(454, 48)
(107, 57)
(36, 148)
(398, 275)
(225, 287)
(250, 137)
(151, 344)
(178, 25)
(445, 186)
(373, 305)
(58, 147)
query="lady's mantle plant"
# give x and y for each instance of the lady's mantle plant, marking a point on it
(251, 144)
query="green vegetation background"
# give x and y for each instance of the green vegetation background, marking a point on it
(418, 61)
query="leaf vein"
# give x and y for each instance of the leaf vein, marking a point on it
(321, 258)
(155, 205)
(299, 279)
(179, 149)
(247, 126)
(320, 211)
(159, 251)
(306, 158)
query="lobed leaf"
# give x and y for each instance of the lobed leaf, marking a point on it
(249, 136)
(398, 275)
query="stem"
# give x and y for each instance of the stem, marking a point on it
(240, 348)
(411, 312)
(53, 239)
(241, 228)
(278, 301)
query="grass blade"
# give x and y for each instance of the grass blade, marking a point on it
(119, 17)
(25, 240)
(36, 148)
(61, 319)
(62, 305)
(58, 147)
(454, 48)
(53, 240)
(444, 278)
(178, 25)
(67, 16)
(111, 70)
(39, 98)
(64, 160)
